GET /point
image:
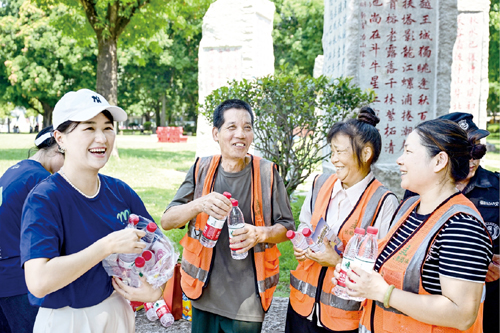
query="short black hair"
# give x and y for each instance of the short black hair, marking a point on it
(230, 104)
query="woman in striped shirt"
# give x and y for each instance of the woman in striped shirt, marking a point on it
(433, 263)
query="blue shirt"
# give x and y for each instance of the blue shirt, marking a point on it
(57, 221)
(15, 184)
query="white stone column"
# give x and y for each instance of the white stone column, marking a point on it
(402, 49)
(236, 44)
(469, 86)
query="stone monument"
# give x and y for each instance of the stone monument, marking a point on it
(236, 44)
(403, 50)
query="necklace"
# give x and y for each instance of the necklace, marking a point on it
(61, 172)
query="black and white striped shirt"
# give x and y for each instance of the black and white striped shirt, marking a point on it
(462, 250)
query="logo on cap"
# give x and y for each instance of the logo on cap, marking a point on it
(96, 99)
(463, 124)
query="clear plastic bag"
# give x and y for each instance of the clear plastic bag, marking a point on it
(165, 259)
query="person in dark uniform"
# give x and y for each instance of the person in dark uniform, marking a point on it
(482, 188)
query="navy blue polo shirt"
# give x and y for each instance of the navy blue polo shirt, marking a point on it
(57, 220)
(15, 184)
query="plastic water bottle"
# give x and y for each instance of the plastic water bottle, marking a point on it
(149, 257)
(307, 235)
(132, 221)
(298, 240)
(367, 254)
(163, 313)
(351, 250)
(137, 271)
(126, 260)
(150, 311)
(213, 229)
(236, 221)
(150, 234)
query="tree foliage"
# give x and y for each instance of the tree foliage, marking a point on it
(297, 35)
(289, 129)
(40, 64)
(494, 59)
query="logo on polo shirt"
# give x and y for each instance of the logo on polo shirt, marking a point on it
(96, 99)
(493, 229)
(123, 216)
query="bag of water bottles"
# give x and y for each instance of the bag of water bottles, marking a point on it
(156, 262)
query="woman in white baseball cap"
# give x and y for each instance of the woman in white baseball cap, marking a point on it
(75, 219)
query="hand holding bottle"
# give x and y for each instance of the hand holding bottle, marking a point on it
(326, 258)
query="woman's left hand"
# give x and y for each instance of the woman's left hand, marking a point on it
(328, 258)
(367, 285)
(145, 293)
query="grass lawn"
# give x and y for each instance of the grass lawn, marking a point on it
(155, 171)
(491, 160)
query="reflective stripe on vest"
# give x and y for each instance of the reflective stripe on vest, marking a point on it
(345, 313)
(410, 259)
(197, 259)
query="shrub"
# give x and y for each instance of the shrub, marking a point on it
(147, 126)
(289, 128)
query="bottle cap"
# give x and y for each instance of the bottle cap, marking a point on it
(372, 230)
(227, 195)
(140, 262)
(133, 219)
(359, 231)
(147, 255)
(306, 232)
(290, 234)
(151, 227)
(234, 202)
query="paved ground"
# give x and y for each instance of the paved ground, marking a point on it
(274, 321)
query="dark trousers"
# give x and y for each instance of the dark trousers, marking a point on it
(17, 315)
(206, 322)
(295, 323)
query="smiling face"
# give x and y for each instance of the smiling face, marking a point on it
(235, 135)
(89, 145)
(415, 165)
(345, 161)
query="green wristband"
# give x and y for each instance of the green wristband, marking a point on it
(387, 296)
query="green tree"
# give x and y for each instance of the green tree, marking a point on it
(289, 129)
(297, 34)
(169, 78)
(132, 23)
(494, 60)
(40, 64)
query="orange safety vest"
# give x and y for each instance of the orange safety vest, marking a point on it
(335, 313)
(197, 260)
(403, 269)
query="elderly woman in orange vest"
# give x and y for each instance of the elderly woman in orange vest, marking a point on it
(349, 199)
(430, 272)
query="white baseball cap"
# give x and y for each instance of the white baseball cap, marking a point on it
(83, 105)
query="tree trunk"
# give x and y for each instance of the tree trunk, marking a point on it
(163, 110)
(107, 75)
(47, 114)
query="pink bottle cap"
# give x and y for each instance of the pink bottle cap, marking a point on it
(290, 234)
(147, 255)
(151, 227)
(227, 195)
(234, 202)
(133, 219)
(372, 230)
(306, 232)
(359, 231)
(140, 262)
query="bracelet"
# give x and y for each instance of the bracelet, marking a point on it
(387, 296)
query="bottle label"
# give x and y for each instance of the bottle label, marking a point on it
(161, 309)
(231, 229)
(344, 269)
(213, 230)
(148, 306)
(125, 264)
